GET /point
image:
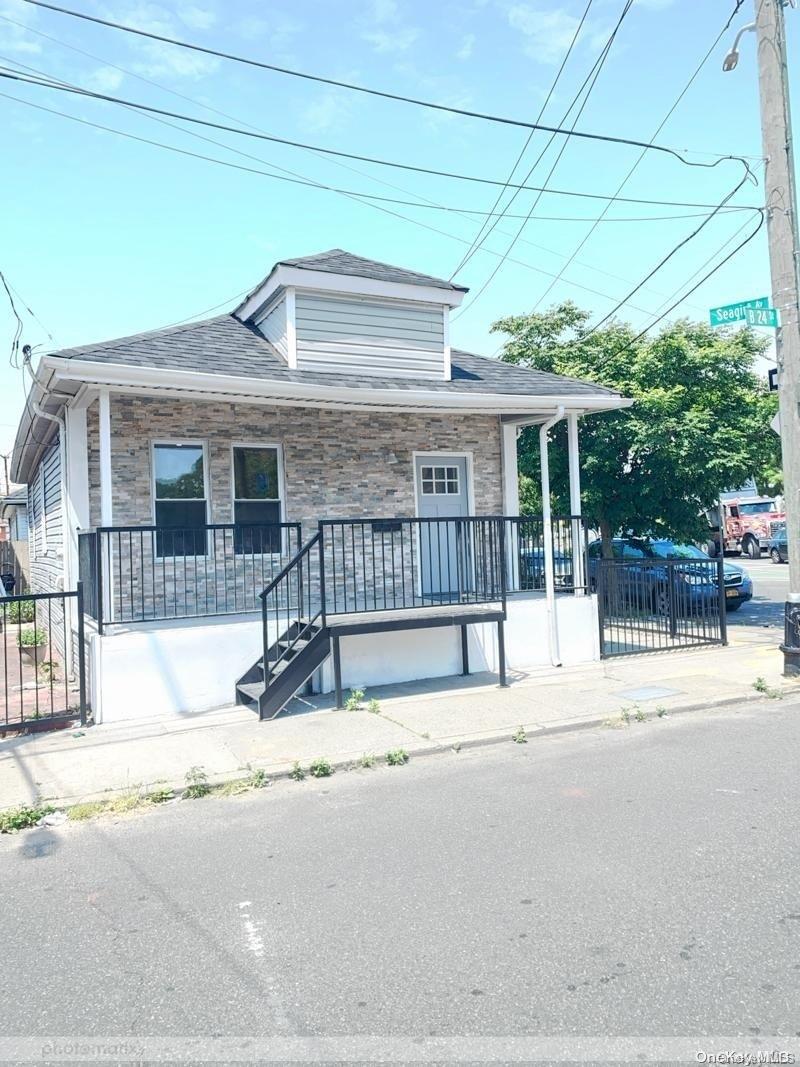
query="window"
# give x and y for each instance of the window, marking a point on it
(180, 499)
(760, 508)
(440, 481)
(256, 499)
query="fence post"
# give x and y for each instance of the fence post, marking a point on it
(673, 619)
(98, 579)
(503, 573)
(601, 596)
(81, 654)
(321, 571)
(723, 606)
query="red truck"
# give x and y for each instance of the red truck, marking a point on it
(743, 525)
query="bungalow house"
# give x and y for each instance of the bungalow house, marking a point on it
(312, 491)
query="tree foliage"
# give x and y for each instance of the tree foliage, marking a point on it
(699, 423)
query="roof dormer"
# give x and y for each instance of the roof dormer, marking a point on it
(335, 312)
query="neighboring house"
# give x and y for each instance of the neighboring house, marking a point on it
(14, 552)
(322, 442)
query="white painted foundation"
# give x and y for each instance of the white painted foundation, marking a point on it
(160, 671)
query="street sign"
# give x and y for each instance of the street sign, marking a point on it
(729, 313)
(765, 316)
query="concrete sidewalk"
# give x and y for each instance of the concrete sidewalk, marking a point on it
(421, 717)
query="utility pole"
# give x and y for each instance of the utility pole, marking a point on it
(784, 250)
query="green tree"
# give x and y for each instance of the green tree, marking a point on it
(699, 423)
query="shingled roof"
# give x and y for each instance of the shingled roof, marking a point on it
(337, 261)
(226, 346)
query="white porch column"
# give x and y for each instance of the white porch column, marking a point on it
(509, 432)
(76, 496)
(575, 502)
(106, 506)
(547, 524)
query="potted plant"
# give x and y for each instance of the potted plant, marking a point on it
(32, 642)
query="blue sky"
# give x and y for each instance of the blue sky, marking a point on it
(103, 236)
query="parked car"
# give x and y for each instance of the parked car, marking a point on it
(778, 544)
(531, 569)
(696, 585)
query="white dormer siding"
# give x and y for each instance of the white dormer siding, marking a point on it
(273, 326)
(370, 336)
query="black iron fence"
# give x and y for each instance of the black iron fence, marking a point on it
(147, 573)
(527, 552)
(648, 605)
(390, 564)
(43, 660)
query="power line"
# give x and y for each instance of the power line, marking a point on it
(14, 354)
(594, 75)
(377, 207)
(643, 153)
(77, 90)
(694, 288)
(305, 75)
(581, 134)
(357, 194)
(467, 255)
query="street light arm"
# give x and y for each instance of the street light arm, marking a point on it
(732, 58)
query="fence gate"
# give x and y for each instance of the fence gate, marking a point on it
(42, 660)
(650, 605)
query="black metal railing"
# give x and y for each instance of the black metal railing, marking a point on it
(291, 605)
(380, 564)
(43, 660)
(148, 573)
(527, 551)
(648, 605)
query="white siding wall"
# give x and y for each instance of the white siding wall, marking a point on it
(46, 533)
(273, 326)
(367, 335)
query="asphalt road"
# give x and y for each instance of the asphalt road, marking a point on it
(770, 584)
(640, 881)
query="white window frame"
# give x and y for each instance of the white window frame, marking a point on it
(189, 443)
(281, 500)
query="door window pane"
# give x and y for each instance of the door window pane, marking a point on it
(440, 481)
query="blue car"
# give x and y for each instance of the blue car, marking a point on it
(694, 586)
(778, 545)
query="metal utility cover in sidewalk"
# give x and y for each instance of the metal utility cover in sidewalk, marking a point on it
(648, 692)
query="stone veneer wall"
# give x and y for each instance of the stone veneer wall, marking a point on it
(337, 464)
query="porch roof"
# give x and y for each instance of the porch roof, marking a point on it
(225, 357)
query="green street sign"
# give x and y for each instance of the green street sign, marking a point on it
(762, 317)
(730, 313)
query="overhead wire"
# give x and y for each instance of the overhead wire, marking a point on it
(588, 85)
(553, 85)
(305, 75)
(642, 154)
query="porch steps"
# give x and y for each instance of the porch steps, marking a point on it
(293, 658)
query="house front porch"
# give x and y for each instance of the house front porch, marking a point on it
(363, 602)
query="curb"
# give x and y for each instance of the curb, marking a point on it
(457, 744)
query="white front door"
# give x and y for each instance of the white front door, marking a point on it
(442, 494)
